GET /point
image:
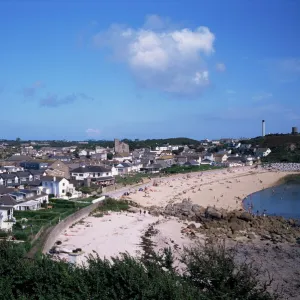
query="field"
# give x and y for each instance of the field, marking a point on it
(43, 218)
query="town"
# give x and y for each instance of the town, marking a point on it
(33, 172)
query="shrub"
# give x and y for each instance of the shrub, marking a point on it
(19, 235)
(3, 234)
(209, 275)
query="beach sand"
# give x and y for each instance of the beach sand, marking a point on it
(109, 235)
(220, 188)
(117, 233)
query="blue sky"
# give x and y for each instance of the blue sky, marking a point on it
(148, 69)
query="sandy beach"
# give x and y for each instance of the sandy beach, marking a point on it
(219, 188)
(121, 232)
(117, 233)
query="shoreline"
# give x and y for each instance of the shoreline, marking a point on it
(220, 188)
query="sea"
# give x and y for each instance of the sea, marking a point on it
(282, 200)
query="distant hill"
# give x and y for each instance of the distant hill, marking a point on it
(285, 147)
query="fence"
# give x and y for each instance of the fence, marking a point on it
(64, 224)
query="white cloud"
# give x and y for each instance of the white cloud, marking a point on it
(92, 132)
(220, 67)
(160, 56)
(262, 96)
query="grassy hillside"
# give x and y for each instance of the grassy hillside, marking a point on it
(285, 147)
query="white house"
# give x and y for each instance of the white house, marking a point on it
(121, 158)
(83, 153)
(234, 161)
(29, 199)
(59, 187)
(6, 212)
(82, 173)
(220, 157)
(209, 156)
(206, 162)
(262, 152)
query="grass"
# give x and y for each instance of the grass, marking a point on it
(131, 179)
(110, 205)
(44, 217)
(188, 169)
(290, 179)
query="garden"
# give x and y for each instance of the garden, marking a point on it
(29, 223)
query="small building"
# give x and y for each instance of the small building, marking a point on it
(263, 152)
(33, 165)
(62, 158)
(37, 174)
(90, 172)
(234, 161)
(6, 212)
(206, 162)
(29, 199)
(59, 187)
(220, 157)
(24, 177)
(59, 168)
(9, 180)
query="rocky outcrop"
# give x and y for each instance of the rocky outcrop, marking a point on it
(220, 223)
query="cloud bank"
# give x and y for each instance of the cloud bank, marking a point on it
(160, 56)
(53, 100)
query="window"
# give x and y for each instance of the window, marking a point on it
(81, 175)
(107, 174)
(63, 191)
(99, 174)
(64, 184)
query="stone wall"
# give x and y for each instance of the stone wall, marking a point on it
(64, 224)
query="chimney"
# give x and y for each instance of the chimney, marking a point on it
(263, 124)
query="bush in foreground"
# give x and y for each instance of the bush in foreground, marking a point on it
(209, 275)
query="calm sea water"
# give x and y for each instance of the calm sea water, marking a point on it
(282, 200)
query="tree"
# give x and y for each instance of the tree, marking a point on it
(110, 156)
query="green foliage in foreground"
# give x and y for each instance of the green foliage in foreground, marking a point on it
(188, 169)
(210, 274)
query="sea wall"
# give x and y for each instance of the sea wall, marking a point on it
(64, 224)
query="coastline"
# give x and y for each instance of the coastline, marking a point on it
(219, 188)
